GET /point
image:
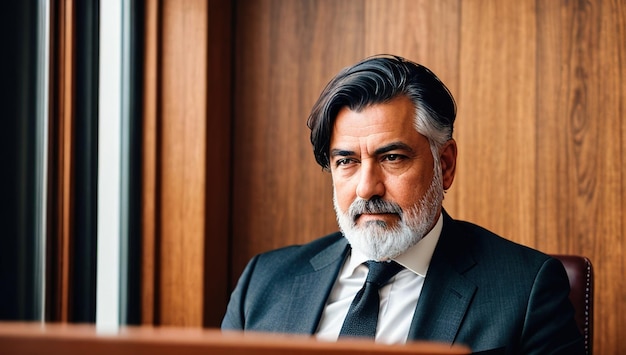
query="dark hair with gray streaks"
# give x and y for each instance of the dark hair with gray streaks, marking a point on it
(376, 80)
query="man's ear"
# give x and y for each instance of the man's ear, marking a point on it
(447, 158)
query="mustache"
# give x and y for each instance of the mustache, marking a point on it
(377, 205)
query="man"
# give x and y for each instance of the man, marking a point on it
(383, 128)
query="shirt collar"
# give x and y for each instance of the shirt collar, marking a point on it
(416, 258)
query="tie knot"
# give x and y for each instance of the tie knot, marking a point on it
(381, 271)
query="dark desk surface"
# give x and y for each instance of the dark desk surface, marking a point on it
(39, 338)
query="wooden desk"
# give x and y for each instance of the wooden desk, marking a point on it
(70, 339)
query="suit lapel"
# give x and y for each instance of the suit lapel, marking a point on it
(310, 290)
(446, 294)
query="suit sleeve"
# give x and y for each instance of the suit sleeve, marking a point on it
(549, 326)
(235, 312)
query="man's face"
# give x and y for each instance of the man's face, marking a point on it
(377, 155)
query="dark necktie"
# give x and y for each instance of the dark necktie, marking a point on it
(362, 316)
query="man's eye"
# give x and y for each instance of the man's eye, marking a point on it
(344, 161)
(393, 157)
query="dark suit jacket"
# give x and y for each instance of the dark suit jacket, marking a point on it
(481, 290)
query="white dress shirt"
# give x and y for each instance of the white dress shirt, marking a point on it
(398, 298)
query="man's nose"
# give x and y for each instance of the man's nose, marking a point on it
(371, 182)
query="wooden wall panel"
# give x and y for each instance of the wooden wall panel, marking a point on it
(186, 162)
(61, 163)
(496, 106)
(218, 161)
(149, 167)
(540, 129)
(541, 137)
(581, 151)
(182, 157)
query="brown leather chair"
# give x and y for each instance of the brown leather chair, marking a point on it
(580, 273)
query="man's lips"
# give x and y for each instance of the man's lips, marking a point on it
(374, 216)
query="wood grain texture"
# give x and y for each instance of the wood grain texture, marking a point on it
(540, 128)
(34, 338)
(581, 150)
(149, 168)
(218, 161)
(182, 153)
(186, 162)
(174, 160)
(541, 135)
(495, 130)
(61, 142)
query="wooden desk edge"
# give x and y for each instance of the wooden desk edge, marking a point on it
(21, 338)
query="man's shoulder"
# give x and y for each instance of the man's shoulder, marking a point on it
(481, 240)
(489, 257)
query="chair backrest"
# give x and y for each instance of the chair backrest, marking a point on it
(580, 274)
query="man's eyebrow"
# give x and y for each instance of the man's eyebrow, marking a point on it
(340, 153)
(393, 146)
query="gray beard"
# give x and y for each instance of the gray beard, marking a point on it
(377, 240)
